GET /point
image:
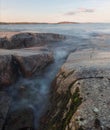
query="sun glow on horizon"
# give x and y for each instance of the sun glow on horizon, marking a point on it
(48, 11)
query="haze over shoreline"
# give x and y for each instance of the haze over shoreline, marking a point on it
(63, 22)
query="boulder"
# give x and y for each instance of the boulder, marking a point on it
(80, 94)
(11, 40)
(5, 43)
(34, 62)
(8, 70)
(20, 119)
(25, 62)
(23, 40)
(5, 102)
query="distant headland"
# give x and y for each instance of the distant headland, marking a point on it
(67, 22)
(63, 22)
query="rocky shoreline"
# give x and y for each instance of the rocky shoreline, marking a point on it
(79, 96)
(80, 93)
(21, 55)
(23, 62)
(16, 40)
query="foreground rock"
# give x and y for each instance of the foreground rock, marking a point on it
(80, 96)
(25, 61)
(5, 102)
(21, 119)
(8, 70)
(14, 40)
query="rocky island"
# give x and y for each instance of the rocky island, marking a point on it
(79, 92)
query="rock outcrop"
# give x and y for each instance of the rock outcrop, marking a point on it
(5, 102)
(21, 119)
(80, 95)
(8, 70)
(25, 62)
(11, 40)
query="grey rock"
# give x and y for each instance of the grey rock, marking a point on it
(23, 40)
(4, 43)
(8, 70)
(35, 62)
(5, 102)
(26, 61)
(20, 119)
(16, 40)
(80, 95)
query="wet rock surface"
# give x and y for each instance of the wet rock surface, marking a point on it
(80, 94)
(17, 40)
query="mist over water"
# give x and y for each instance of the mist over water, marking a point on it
(67, 29)
(34, 92)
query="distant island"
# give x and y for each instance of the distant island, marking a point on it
(63, 22)
(66, 22)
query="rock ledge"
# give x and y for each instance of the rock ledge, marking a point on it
(80, 96)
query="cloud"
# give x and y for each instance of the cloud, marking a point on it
(80, 10)
(85, 10)
(70, 13)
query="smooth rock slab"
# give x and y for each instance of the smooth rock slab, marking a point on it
(80, 96)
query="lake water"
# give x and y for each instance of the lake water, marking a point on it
(79, 36)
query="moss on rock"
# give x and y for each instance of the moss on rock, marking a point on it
(58, 121)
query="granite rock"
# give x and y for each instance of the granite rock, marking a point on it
(16, 40)
(25, 62)
(80, 93)
(5, 102)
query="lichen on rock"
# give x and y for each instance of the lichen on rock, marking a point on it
(80, 94)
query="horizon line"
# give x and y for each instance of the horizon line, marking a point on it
(61, 22)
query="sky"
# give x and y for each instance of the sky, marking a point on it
(54, 10)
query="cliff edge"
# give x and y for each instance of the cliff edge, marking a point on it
(80, 93)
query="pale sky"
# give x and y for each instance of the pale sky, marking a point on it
(54, 10)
